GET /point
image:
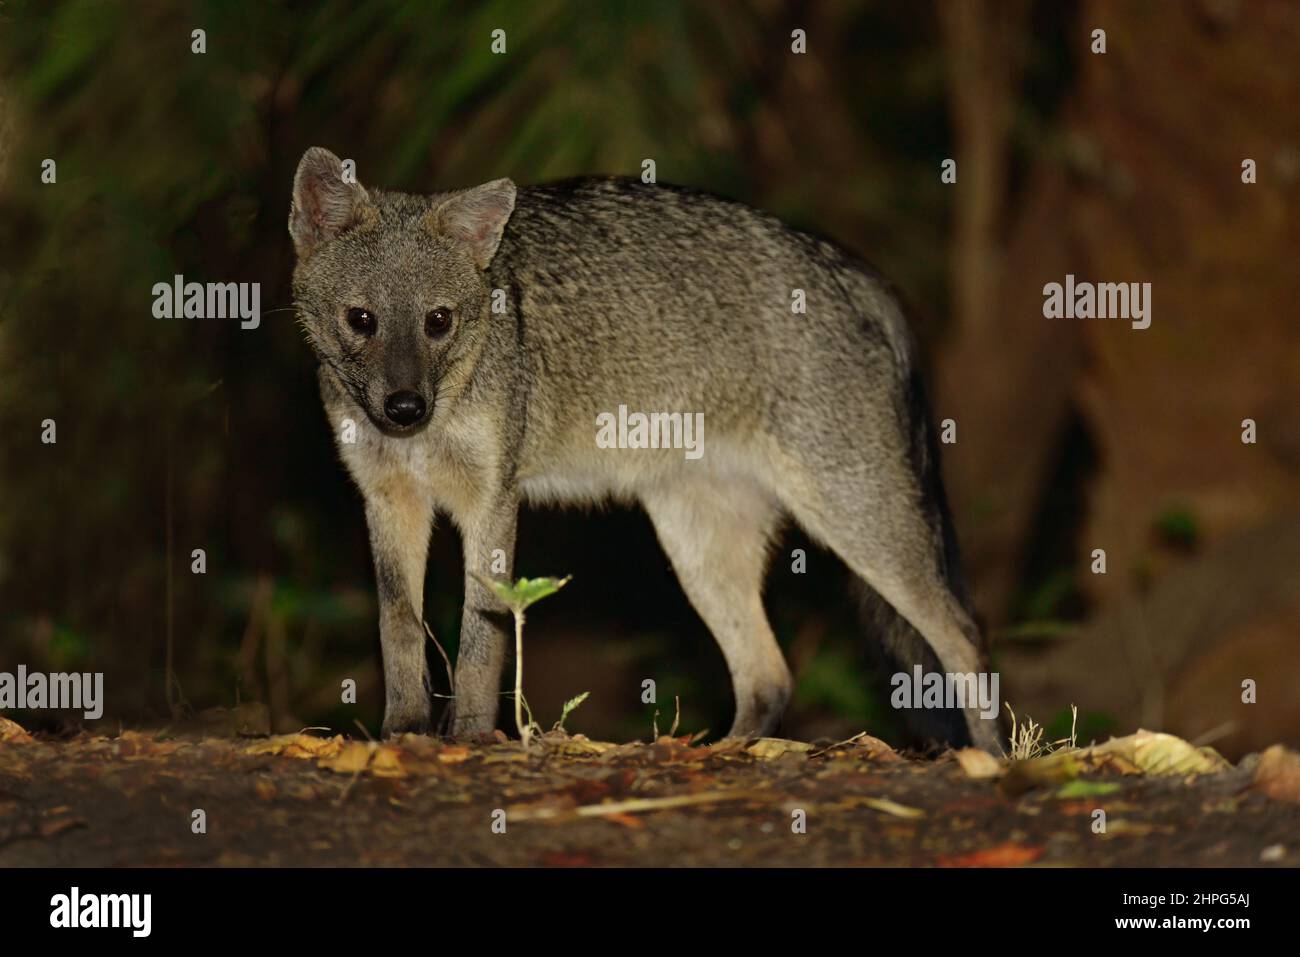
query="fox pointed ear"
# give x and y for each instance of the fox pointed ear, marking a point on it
(325, 203)
(476, 218)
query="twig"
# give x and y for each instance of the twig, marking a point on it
(1215, 733)
(629, 807)
(451, 678)
(838, 744)
(444, 722)
(348, 788)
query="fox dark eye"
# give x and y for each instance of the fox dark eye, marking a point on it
(437, 322)
(362, 320)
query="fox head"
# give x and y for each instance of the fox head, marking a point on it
(390, 287)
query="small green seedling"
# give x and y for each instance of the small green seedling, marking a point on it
(570, 706)
(518, 597)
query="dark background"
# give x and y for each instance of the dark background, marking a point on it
(1072, 435)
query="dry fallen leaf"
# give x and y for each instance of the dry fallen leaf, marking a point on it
(978, 764)
(298, 746)
(12, 732)
(1112, 761)
(1278, 774)
(765, 749)
(876, 748)
(1157, 753)
(387, 762)
(352, 758)
(726, 747)
(1003, 855)
(381, 760)
(861, 745)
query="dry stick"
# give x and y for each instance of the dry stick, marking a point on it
(837, 744)
(632, 806)
(1215, 733)
(451, 678)
(444, 722)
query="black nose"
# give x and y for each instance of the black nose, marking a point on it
(404, 408)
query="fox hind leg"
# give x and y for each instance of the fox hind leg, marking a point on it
(716, 535)
(874, 519)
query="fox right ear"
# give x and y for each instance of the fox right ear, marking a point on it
(324, 202)
(475, 218)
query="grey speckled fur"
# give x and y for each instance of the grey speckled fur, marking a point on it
(655, 298)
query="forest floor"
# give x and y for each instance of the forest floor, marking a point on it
(307, 800)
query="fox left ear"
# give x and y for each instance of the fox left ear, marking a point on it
(476, 217)
(325, 203)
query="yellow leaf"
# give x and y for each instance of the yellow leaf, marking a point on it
(353, 757)
(387, 762)
(765, 749)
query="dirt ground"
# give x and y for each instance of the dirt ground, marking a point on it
(332, 801)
